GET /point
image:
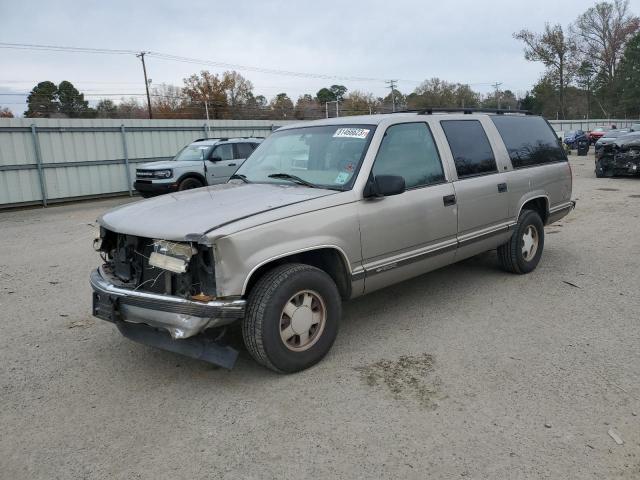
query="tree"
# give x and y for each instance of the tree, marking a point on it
(359, 103)
(207, 88)
(306, 107)
(5, 113)
(167, 101)
(338, 92)
(131, 109)
(71, 102)
(325, 95)
(627, 79)
(282, 106)
(439, 93)
(42, 101)
(238, 91)
(105, 108)
(556, 51)
(505, 99)
(603, 31)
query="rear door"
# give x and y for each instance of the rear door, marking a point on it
(221, 164)
(481, 189)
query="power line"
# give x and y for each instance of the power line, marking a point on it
(178, 58)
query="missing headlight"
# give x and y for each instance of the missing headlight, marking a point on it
(171, 256)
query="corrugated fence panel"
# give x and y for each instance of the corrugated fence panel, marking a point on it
(86, 157)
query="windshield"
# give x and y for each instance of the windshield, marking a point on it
(327, 156)
(193, 152)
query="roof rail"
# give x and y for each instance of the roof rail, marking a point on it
(468, 111)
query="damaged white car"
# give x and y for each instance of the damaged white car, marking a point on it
(323, 212)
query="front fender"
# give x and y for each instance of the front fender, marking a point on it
(240, 254)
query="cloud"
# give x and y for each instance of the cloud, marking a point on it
(463, 41)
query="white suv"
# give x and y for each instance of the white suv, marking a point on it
(207, 161)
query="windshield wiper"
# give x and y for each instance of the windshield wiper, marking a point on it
(239, 176)
(293, 178)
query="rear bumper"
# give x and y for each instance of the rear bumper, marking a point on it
(560, 211)
(180, 317)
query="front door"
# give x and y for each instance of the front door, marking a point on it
(221, 164)
(408, 234)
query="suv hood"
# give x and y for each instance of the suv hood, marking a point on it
(190, 214)
(167, 164)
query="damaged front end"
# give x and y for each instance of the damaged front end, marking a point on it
(163, 294)
(626, 161)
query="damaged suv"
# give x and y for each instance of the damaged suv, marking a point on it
(619, 157)
(323, 212)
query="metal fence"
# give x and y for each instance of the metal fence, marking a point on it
(586, 125)
(44, 161)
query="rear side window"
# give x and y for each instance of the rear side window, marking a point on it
(470, 147)
(530, 141)
(408, 150)
(243, 150)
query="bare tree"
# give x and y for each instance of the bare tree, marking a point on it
(603, 31)
(556, 51)
(167, 100)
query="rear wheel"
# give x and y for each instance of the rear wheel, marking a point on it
(522, 252)
(292, 317)
(189, 183)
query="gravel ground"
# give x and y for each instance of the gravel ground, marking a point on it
(466, 372)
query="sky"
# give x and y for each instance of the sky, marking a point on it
(408, 40)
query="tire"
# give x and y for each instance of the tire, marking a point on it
(512, 256)
(599, 170)
(189, 183)
(266, 324)
(146, 194)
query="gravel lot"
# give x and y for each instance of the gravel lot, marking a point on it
(467, 372)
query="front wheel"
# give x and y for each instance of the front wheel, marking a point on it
(522, 252)
(292, 317)
(189, 183)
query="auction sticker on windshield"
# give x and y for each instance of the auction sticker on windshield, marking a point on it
(351, 133)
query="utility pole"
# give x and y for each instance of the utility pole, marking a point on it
(497, 87)
(392, 85)
(146, 82)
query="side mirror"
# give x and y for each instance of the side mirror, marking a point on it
(215, 159)
(384, 186)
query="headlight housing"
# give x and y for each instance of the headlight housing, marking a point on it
(164, 173)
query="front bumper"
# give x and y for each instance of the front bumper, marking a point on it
(154, 188)
(180, 317)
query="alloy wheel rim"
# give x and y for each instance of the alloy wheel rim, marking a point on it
(302, 320)
(530, 241)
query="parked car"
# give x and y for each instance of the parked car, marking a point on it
(622, 157)
(604, 146)
(571, 138)
(206, 161)
(323, 212)
(595, 134)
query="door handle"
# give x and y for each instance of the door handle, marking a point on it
(449, 200)
(232, 164)
(502, 187)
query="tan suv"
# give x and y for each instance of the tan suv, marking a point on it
(323, 212)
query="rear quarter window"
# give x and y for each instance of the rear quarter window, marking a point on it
(530, 141)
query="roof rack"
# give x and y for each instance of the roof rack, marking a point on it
(210, 138)
(469, 111)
